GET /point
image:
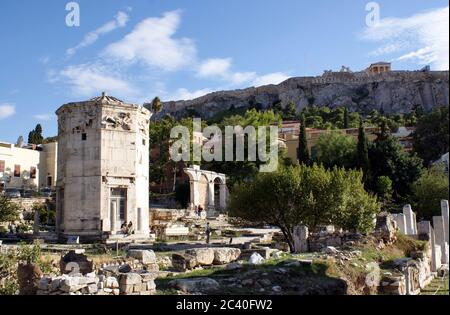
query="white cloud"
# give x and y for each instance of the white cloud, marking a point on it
(238, 78)
(215, 67)
(185, 95)
(423, 38)
(7, 110)
(90, 79)
(270, 78)
(221, 68)
(120, 21)
(152, 42)
(43, 117)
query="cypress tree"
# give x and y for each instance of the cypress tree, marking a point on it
(303, 153)
(35, 135)
(156, 105)
(346, 118)
(363, 151)
(38, 135)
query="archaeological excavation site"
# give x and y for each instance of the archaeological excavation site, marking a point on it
(217, 156)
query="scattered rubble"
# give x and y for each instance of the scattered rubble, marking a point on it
(195, 285)
(256, 259)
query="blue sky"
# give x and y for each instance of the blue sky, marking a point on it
(138, 49)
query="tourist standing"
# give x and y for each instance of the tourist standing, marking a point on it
(208, 233)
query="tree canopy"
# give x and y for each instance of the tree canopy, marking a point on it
(428, 192)
(431, 138)
(336, 149)
(35, 135)
(9, 211)
(311, 196)
(303, 151)
(387, 158)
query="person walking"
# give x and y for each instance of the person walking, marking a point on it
(208, 233)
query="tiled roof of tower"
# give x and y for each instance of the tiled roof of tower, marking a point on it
(105, 97)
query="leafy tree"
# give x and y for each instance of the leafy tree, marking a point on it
(305, 195)
(431, 138)
(387, 158)
(238, 171)
(346, 119)
(160, 142)
(35, 136)
(47, 212)
(336, 149)
(362, 157)
(9, 211)
(29, 253)
(290, 112)
(429, 190)
(384, 187)
(156, 105)
(303, 152)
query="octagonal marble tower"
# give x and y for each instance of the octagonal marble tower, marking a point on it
(103, 167)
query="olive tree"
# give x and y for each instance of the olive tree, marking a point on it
(311, 196)
(9, 211)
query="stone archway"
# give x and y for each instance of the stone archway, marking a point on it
(203, 192)
(205, 186)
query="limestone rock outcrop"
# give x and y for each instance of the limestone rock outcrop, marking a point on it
(392, 92)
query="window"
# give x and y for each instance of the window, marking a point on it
(16, 170)
(2, 166)
(143, 142)
(83, 137)
(32, 172)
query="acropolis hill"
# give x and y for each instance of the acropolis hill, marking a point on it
(389, 91)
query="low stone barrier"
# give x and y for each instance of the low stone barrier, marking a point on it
(93, 284)
(205, 257)
(412, 275)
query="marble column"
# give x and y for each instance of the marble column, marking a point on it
(444, 211)
(194, 193)
(211, 205)
(140, 220)
(439, 234)
(223, 196)
(409, 219)
(401, 223)
(113, 217)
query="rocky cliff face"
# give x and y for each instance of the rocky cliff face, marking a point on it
(393, 92)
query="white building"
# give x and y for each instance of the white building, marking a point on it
(27, 168)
